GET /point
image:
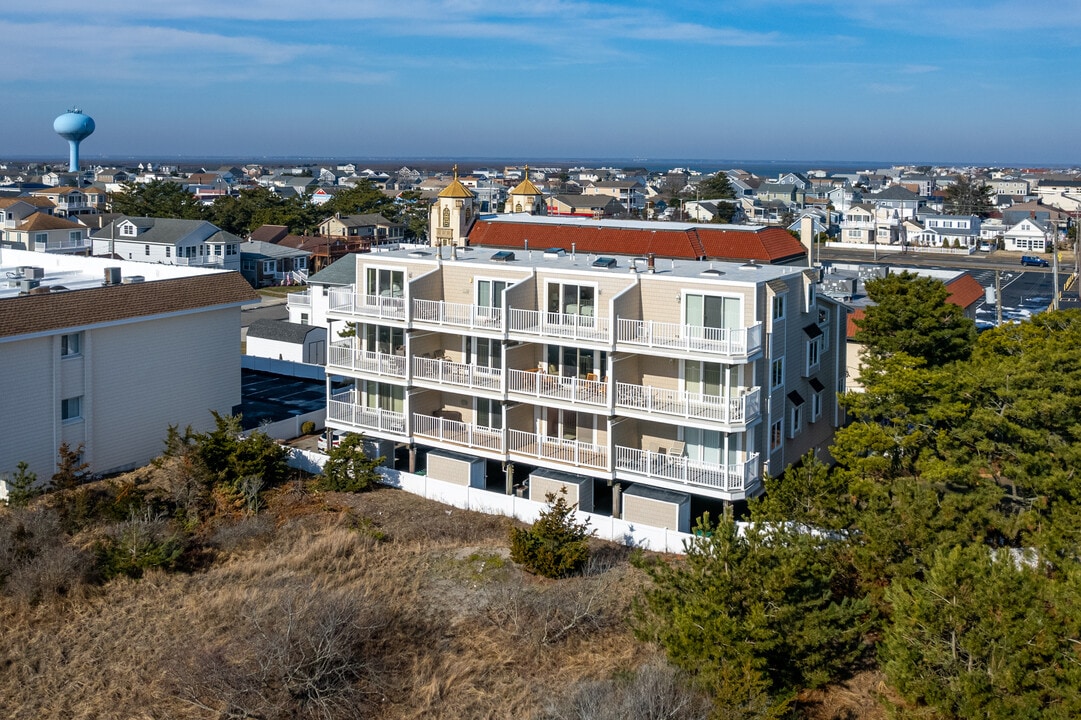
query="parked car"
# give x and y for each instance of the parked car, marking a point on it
(1032, 260)
(335, 440)
(986, 247)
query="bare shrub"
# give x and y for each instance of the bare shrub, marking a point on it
(545, 615)
(300, 652)
(655, 691)
(244, 534)
(37, 561)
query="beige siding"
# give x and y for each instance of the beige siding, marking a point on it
(657, 513)
(578, 493)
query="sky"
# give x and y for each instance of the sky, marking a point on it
(927, 81)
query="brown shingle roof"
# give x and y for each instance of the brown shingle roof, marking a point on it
(44, 221)
(78, 308)
(768, 245)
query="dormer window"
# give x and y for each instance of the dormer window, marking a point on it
(128, 230)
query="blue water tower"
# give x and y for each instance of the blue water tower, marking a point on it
(74, 127)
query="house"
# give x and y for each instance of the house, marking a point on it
(281, 340)
(264, 264)
(67, 201)
(589, 206)
(791, 195)
(964, 291)
(46, 233)
(629, 193)
(858, 227)
(690, 377)
(1064, 194)
(14, 211)
(898, 200)
(108, 367)
(371, 229)
(1029, 235)
(169, 241)
(961, 231)
(309, 307)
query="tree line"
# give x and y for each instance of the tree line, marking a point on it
(256, 206)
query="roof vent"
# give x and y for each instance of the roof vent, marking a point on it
(712, 272)
(418, 254)
(133, 279)
(750, 265)
(29, 271)
(503, 256)
(604, 262)
(112, 276)
(554, 253)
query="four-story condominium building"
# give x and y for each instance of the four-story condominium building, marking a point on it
(669, 378)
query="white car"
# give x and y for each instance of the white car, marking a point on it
(335, 440)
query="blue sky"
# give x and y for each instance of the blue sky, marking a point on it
(908, 80)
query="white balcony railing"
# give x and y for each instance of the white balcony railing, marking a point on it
(342, 409)
(460, 374)
(562, 325)
(723, 341)
(570, 452)
(375, 306)
(65, 244)
(299, 299)
(740, 407)
(457, 432)
(344, 355)
(458, 314)
(555, 387)
(200, 261)
(739, 477)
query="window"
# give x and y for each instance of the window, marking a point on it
(386, 283)
(146, 250)
(812, 354)
(797, 421)
(446, 217)
(776, 373)
(76, 236)
(776, 435)
(127, 230)
(489, 414)
(268, 267)
(778, 307)
(41, 240)
(71, 345)
(71, 409)
(168, 251)
(300, 263)
(217, 249)
(567, 299)
(303, 318)
(816, 406)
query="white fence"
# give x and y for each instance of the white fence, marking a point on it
(290, 427)
(467, 498)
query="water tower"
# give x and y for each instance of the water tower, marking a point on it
(74, 127)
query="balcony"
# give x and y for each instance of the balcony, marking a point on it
(560, 325)
(344, 409)
(299, 299)
(570, 452)
(383, 307)
(544, 386)
(445, 372)
(734, 478)
(457, 433)
(65, 245)
(345, 356)
(458, 315)
(738, 408)
(737, 342)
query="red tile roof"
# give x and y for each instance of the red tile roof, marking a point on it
(767, 245)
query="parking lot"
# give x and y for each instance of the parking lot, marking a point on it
(269, 398)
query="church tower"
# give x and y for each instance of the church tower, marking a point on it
(525, 197)
(452, 213)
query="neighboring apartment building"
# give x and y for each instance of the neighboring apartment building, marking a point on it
(685, 380)
(110, 366)
(168, 241)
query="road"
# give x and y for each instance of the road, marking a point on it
(269, 308)
(998, 260)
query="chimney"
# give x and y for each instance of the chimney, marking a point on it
(651, 262)
(806, 237)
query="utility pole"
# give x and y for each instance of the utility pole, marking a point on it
(1054, 264)
(998, 299)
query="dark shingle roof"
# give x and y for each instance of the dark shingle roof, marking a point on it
(27, 314)
(280, 330)
(342, 271)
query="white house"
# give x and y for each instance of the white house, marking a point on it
(113, 359)
(1029, 235)
(168, 241)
